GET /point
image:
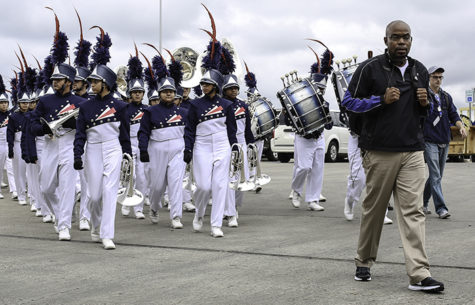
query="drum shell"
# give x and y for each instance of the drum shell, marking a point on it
(263, 120)
(305, 106)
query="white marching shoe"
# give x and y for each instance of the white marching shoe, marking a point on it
(108, 244)
(146, 201)
(296, 199)
(84, 225)
(197, 223)
(33, 208)
(232, 222)
(139, 215)
(189, 207)
(322, 198)
(387, 220)
(22, 202)
(153, 215)
(48, 218)
(1, 196)
(176, 223)
(314, 206)
(95, 235)
(64, 234)
(125, 210)
(14, 196)
(348, 210)
(216, 232)
(38, 213)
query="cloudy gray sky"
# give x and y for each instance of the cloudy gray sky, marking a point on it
(268, 35)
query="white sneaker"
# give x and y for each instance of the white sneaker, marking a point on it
(4, 184)
(387, 220)
(232, 222)
(38, 213)
(139, 215)
(348, 210)
(153, 216)
(14, 196)
(33, 208)
(295, 199)
(95, 235)
(216, 232)
(64, 234)
(197, 223)
(189, 207)
(322, 198)
(108, 244)
(125, 211)
(166, 200)
(176, 223)
(48, 219)
(146, 201)
(1, 196)
(210, 202)
(84, 225)
(55, 227)
(314, 206)
(291, 195)
(22, 202)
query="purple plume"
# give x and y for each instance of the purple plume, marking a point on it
(327, 61)
(101, 55)
(176, 71)
(47, 71)
(2, 86)
(212, 63)
(197, 91)
(59, 52)
(82, 52)
(226, 64)
(135, 69)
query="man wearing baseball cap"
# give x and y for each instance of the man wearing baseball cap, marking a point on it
(437, 136)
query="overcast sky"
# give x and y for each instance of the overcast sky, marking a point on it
(268, 35)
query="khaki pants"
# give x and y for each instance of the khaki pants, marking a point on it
(401, 174)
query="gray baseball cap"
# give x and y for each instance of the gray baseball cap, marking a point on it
(434, 69)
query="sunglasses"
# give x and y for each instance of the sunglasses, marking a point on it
(437, 77)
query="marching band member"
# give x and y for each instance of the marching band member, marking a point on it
(9, 162)
(309, 150)
(4, 113)
(57, 174)
(102, 122)
(135, 111)
(161, 143)
(244, 137)
(209, 133)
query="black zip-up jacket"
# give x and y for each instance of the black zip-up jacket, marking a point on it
(395, 127)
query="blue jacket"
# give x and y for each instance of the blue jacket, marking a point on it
(4, 118)
(159, 116)
(90, 112)
(241, 110)
(15, 124)
(26, 139)
(200, 111)
(134, 113)
(440, 133)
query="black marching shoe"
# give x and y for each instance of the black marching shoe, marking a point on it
(428, 285)
(362, 274)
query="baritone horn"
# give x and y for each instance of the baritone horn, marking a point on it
(236, 168)
(127, 194)
(121, 82)
(255, 165)
(191, 63)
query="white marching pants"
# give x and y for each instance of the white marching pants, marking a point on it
(102, 171)
(356, 178)
(10, 175)
(139, 172)
(19, 169)
(166, 170)
(84, 203)
(58, 177)
(187, 194)
(260, 148)
(3, 158)
(234, 198)
(309, 160)
(211, 157)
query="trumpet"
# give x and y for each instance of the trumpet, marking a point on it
(255, 164)
(54, 126)
(236, 167)
(127, 194)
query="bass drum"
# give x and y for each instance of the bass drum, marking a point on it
(263, 118)
(305, 106)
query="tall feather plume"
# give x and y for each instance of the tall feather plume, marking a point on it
(30, 79)
(213, 57)
(48, 68)
(226, 64)
(2, 86)
(59, 51)
(83, 48)
(213, 34)
(176, 69)
(39, 82)
(327, 62)
(23, 56)
(21, 64)
(250, 78)
(38, 63)
(101, 55)
(14, 88)
(197, 91)
(158, 64)
(135, 69)
(149, 76)
(21, 84)
(315, 68)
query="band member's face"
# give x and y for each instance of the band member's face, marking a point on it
(32, 105)
(177, 101)
(58, 83)
(23, 106)
(153, 102)
(167, 95)
(3, 106)
(78, 85)
(96, 86)
(186, 92)
(231, 93)
(206, 88)
(136, 96)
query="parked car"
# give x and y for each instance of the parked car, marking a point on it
(336, 140)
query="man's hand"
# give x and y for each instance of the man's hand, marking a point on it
(422, 96)
(463, 132)
(392, 95)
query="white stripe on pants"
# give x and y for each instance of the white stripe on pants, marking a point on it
(10, 175)
(211, 157)
(102, 170)
(308, 166)
(167, 169)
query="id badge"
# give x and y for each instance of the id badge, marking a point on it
(436, 121)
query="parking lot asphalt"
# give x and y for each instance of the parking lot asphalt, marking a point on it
(277, 255)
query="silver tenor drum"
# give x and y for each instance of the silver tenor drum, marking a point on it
(304, 103)
(263, 117)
